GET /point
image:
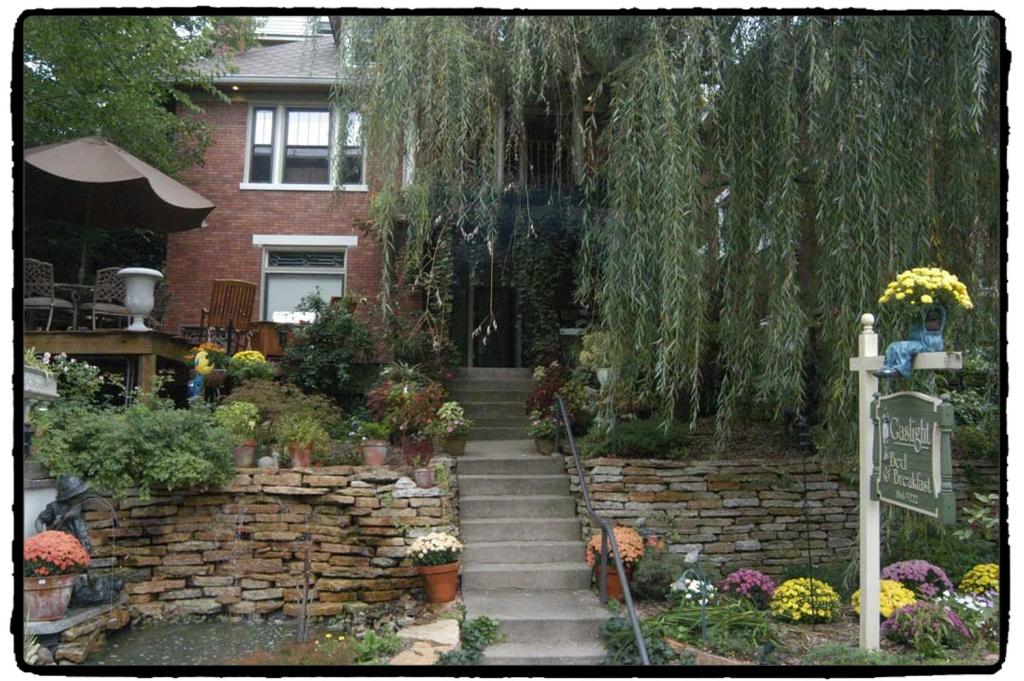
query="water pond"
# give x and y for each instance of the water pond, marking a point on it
(199, 643)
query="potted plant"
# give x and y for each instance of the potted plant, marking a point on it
(409, 408)
(594, 354)
(451, 426)
(373, 442)
(542, 430)
(241, 419)
(436, 557)
(210, 360)
(52, 559)
(423, 474)
(249, 364)
(301, 435)
(631, 549)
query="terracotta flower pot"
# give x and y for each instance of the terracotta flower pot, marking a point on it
(424, 477)
(375, 452)
(456, 446)
(614, 585)
(544, 445)
(47, 598)
(245, 454)
(302, 455)
(440, 581)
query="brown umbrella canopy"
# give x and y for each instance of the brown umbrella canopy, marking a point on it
(94, 182)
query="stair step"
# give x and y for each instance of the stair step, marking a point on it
(558, 576)
(510, 506)
(530, 464)
(520, 529)
(523, 551)
(497, 432)
(491, 372)
(516, 485)
(487, 392)
(540, 616)
(575, 654)
(496, 407)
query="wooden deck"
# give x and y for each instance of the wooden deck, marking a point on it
(146, 347)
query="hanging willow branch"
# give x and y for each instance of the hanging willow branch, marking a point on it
(749, 183)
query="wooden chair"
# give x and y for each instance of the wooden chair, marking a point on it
(230, 309)
(161, 301)
(107, 297)
(39, 290)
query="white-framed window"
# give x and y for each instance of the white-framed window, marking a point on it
(305, 147)
(290, 273)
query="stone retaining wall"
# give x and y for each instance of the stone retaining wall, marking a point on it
(754, 513)
(240, 550)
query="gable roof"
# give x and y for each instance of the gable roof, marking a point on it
(313, 61)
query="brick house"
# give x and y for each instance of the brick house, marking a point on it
(274, 156)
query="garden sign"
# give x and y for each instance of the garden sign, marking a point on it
(912, 465)
(904, 460)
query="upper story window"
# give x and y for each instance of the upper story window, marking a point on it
(304, 147)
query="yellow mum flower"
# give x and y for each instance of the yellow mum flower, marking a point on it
(926, 299)
(901, 295)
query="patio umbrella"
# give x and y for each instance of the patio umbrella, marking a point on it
(96, 183)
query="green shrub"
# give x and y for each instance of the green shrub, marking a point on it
(475, 635)
(637, 438)
(654, 573)
(147, 445)
(378, 648)
(329, 355)
(840, 575)
(736, 626)
(301, 430)
(277, 400)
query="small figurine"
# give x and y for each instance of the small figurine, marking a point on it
(65, 513)
(202, 367)
(924, 337)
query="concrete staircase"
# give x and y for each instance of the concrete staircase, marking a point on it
(495, 400)
(523, 559)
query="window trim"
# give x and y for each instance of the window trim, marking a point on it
(252, 142)
(335, 151)
(331, 141)
(266, 269)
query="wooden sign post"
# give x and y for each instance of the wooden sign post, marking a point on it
(868, 405)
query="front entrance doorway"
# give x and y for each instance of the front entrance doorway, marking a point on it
(486, 324)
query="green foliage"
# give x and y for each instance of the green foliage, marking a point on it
(734, 626)
(277, 400)
(378, 648)
(240, 418)
(371, 430)
(851, 147)
(620, 641)
(908, 536)
(147, 445)
(981, 518)
(475, 635)
(242, 369)
(34, 361)
(637, 438)
(842, 655)
(654, 574)
(328, 356)
(78, 382)
(302, 431)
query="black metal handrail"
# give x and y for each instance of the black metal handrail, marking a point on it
(607, 536)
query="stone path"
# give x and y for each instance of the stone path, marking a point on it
(523, 559)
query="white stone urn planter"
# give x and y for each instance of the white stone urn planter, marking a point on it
(39, 386)
(139, 283)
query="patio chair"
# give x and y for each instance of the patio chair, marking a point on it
(107, 297)
(39, 290)
(161, 301)
(230, 310)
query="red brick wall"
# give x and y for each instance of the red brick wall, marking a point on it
(223, 249)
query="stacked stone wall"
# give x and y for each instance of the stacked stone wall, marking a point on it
(755, 513)
(242, 549)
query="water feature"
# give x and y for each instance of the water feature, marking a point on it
(192, 643)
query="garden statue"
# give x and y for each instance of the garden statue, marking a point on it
(65, 514)
(924, 337)
(195, 384)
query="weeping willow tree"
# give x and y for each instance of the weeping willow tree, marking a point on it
(749, 183)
